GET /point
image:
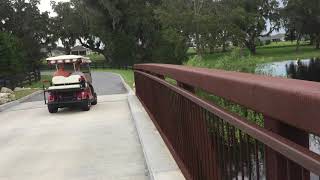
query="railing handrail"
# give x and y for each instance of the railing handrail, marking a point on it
(294, 102)
(287, 148)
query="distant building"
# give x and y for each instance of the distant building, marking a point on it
(273, 38)
(80, 50)
(58, 51)
(54, 52)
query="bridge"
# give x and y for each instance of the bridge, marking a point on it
(180, 123)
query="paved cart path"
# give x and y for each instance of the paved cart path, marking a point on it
(105, 83)
(73, 145)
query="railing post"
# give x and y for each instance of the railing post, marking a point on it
(277, 167)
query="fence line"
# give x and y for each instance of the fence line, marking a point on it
(20, 80)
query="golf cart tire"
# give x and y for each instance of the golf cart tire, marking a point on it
(86, 106)
(52, 109)
(95, 101)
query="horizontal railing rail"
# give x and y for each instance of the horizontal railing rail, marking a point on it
(210, 142)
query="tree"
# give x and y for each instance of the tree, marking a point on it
(302, 17)
(252, 16)
(11, 55)
(196, 20)
(125, 32)
(64, 25)
(23, 20)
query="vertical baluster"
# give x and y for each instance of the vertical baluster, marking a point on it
(256, 152)
(241, 155)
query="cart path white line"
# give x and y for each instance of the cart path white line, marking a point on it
(99, 144)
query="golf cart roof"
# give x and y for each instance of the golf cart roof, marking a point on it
(68, 59)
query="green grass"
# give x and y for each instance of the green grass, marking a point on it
(282, 44)
(23, 93)
(246, 62)
(35, 86)
(126, 74)
(39, 84)
(95, 57)
(191, 50)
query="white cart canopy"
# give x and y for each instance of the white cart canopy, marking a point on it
(68, 59)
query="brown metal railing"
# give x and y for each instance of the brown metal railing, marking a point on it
(210, 142)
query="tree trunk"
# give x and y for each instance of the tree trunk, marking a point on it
(298, 42)
(251, 46)
(198, 46)
(312, 40)
(68, 50)
(224, 49)
(317, 41)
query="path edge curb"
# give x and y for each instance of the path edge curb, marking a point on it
(8, 105)
(160, 163)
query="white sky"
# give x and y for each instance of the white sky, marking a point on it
(45, 5)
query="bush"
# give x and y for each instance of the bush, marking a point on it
(11, 55)
(169, 48)
(268, 42)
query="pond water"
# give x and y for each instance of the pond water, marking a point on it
(278, 68)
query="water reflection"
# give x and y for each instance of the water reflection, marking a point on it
(278, 69)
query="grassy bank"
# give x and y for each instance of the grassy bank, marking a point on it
(242, 60)
(22, 93)
(35, 86)
(39, 84)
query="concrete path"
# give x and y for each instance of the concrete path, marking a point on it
(72, 145)
(105, 83)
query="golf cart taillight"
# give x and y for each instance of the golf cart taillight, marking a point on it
(82, 95)
(51, 97)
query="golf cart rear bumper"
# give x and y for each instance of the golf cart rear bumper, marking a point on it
(68, 103)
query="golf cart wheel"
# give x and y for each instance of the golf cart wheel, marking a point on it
(86, 106)
(52, 109)
(95, 99)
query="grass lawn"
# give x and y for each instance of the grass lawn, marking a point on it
(233, 61)
(39, 84)
(126, 74)
(95, 57)
(284, 43)
(23, 93)
(35, 86)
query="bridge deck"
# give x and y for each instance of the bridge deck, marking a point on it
(99, 144)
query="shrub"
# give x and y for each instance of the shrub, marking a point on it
(11, 55)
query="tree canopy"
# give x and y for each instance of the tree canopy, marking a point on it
(135, 31)
(302, 17)
(25, 30)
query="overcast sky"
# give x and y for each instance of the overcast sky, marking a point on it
(45, 5)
